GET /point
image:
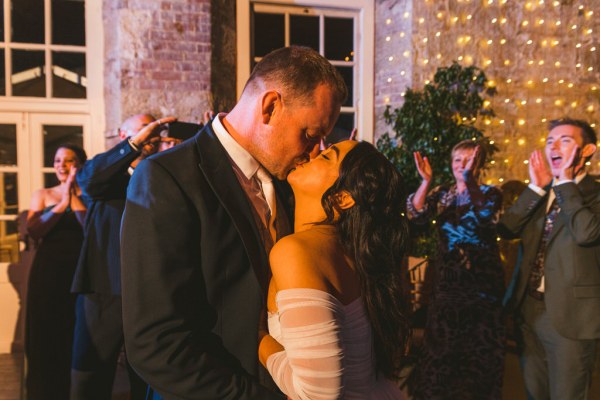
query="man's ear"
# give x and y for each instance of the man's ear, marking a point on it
(588, 150)
(122, 133)
(270, 101)
(344, 200)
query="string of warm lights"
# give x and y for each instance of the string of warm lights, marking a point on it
(541, 56)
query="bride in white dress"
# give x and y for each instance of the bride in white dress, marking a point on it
(337, 317)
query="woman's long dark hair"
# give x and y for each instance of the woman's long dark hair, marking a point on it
(374, 233)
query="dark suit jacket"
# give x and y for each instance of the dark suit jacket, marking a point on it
(572, 260)
(103, 181)
(194, 276)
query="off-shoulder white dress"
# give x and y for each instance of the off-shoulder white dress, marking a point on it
(328, 349)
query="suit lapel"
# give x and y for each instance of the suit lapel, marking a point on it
(216, 167)
(538, 220)
(586, 187)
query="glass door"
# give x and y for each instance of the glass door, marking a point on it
(12, 155)
(28, 142)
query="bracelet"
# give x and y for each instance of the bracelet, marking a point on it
(133, 145)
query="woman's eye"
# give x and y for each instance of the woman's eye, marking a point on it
(325, 156)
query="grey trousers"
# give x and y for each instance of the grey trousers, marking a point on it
(554, 367)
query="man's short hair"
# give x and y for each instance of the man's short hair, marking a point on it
(298, 70)
(587, 132)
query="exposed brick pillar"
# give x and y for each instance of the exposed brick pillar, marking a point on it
(157, 58)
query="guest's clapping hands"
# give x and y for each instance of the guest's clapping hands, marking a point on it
(539, 173)
(471, 168)
(423, 166)
(571, 166)
(207, 116)
(70, 187)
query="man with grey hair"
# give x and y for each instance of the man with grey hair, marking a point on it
(98, 335)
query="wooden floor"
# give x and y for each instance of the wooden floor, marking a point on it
(11, 365)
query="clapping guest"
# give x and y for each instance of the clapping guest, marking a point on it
(55, 221)
(463, 347)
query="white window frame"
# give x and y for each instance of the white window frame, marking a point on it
(22, 154)
(364, 62)
(93, 105)
(30, 148)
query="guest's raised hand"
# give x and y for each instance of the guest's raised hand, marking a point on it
(207, 116)
(69, 188)
(150, 146)
(539, 173)
(423, 166)
(71, 181)
(570, 167)
(472, 167)
(151, 130)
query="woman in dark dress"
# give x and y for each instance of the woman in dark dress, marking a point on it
(55, 221)
(463, 346)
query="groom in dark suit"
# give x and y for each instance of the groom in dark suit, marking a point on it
(557, 284)
(197, 230)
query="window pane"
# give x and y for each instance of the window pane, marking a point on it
(55, 135)
(9, 203)
(28, 73)
(68, 22)
(342, 129)
(339, 39)
(1, 20)
(50, 180)
(28, 21)
(269, 33)
(9, 242)
(8, 144)
(348, 75)
(304, 31)
(68, 77)
(2, 74)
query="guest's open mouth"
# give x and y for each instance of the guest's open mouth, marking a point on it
(556, 161)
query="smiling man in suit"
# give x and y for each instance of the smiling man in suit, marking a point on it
(197, 230)
(557, 284)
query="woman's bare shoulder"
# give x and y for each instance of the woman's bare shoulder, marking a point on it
(42, 198)
(296, 245)
(295, 262)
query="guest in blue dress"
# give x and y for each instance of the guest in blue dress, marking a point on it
(463, 347)
(55, 221)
